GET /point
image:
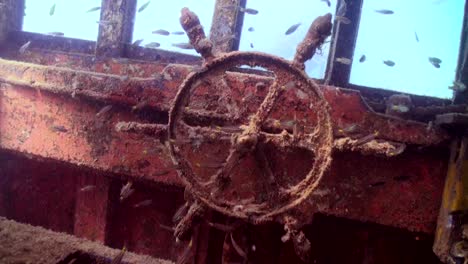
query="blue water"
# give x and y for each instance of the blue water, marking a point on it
(381, 37)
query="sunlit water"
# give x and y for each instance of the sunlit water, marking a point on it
(437, 23)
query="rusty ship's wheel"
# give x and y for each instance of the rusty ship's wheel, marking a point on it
(229, 188)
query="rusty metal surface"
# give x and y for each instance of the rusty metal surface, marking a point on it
(116, 27)
(75, 200)
(78, 137)
(347, 106)
(92, 203)
(318, 31)
(45, 43)
(22, 243)
(226, 22)
(403, 191)
(119, 117)
(376, 98)
(35, 98)
(31, 192)
(44, 48)
(191, 24)
(145, 228)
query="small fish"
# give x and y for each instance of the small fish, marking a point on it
(180, 213)
(363, 58)
(104, 110)
(376, 184)
(152, 45)
(186, 46)
(249, 11)
(458, 86)
(187, 254)
(343, 20)
(342, 60)
(327, 1)
(126, 191)
(140, 105)
(143, 203)
(88, 188)
(349, 129)
(384, 11)
(137, 42)
(144, 6)
(221, 227)
(238, 249)
(366, 139)
(400, 108)
(25, 47)
(161, 32)
(416, 36)
(168, 228)
(160, 173)
(209, 165)
(56, 34)
(178, 33)
(251, 29)
(56, 128)
(397, 151)
(52, 10)
(342, 9)
(251, 45)
(292, 28)
(231, 7)
(435, 60)
(119, 257)
(105, 22)
(93, 9)
(389, 63)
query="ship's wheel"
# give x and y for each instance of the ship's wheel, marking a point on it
(228, 143)
(228, 186)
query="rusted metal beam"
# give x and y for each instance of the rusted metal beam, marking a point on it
(44, 48)
(227, 22)
(116, 27)
(11, 17)
(47, 42)
(343, 42)
(75, 134)
(54, 247)
(125, 91)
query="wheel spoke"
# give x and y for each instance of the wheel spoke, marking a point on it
(285, 140)
(265, 108)
(217, 133)
(223, 176)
